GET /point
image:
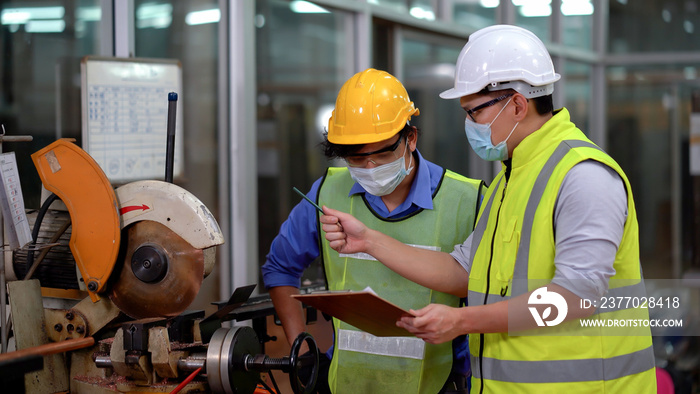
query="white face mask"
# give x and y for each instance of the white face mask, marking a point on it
(384, 179)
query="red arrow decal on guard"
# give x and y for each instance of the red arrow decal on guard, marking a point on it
(130, 208)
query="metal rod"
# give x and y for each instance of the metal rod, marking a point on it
(170, 148)
(16, 138)
(57, 95)
(192, 363)
(103, 362)
(50, 348)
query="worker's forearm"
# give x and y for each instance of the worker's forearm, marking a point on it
(289, 311)
(484, 318)
(435, 270)
(514, 314)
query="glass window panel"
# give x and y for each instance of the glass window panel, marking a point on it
(398, 5)
(428, 70)
(577, 19)
(188, 31)
(302, 60)
(648, 25)
(644, 106)
(475, 14)
(578, 93)
(534, 15)
(422, 9)
(41, 44)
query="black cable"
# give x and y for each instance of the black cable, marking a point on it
(268, 388)
(274, 382)
(37, 224)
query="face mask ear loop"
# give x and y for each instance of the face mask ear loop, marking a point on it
(499, 112)
(410, 160)
(511, 133)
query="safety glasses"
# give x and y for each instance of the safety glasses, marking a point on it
(487, 104)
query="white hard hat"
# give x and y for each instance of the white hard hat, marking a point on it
(503, 57)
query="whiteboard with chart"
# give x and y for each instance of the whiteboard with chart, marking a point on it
(125, 115)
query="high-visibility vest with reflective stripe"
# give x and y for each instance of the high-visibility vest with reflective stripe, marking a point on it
(363, 363)
(513, 253)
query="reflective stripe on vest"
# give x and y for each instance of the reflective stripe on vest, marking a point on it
(562, 371)
(522, 262)
(360, 341)
(480, 228)
(520, 273)
(366, 256)
(558, 371)
(363, 363)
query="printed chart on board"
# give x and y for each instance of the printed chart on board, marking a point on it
(125, 116)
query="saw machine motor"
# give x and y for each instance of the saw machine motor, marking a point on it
(140, 252)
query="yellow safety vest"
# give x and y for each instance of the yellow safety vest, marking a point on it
(513, 253)
(363, 363)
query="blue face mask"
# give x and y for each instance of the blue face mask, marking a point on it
(479, 136)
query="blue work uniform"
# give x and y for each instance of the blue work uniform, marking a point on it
(296, 246)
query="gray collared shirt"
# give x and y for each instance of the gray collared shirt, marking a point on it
(589, 219)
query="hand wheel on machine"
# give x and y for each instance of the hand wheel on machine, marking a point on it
(233, 363)
(296, 362)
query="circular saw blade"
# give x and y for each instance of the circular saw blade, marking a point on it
(160, 273)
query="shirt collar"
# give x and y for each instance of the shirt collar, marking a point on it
(420, 195)
(538, 142)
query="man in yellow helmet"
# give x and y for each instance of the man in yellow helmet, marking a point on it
(557, 230)
(393, 188)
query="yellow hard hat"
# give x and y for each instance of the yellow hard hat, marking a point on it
(372, 106)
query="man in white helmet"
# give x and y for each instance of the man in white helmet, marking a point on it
(393, 188)
(560, 213)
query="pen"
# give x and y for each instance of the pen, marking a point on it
(307, 199)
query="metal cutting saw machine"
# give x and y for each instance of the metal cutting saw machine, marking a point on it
(140, 252)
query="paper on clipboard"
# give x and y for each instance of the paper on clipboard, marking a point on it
(362, 309)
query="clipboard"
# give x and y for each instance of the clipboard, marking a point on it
(362, 309)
